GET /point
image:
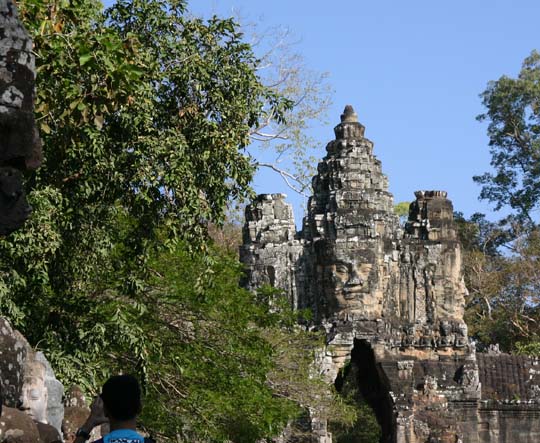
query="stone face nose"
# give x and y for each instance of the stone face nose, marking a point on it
(354, 278)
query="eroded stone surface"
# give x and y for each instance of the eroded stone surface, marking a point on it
(55, 394)
(14, 351)
(26, 377)
(395, 295)
(17, 427)
(20, 145)
(75, 414)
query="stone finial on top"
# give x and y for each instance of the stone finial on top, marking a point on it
(349, 116)
(349, 128)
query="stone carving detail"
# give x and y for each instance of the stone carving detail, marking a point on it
(20, 145)
(55, 394)
(26, 377)
(15, 352)
(494, 349)
(76, 413)
(469, 378)
(271, 250)
(17, 427)
(34, 397)
(405, 369)
(535, 393)
(430, 386)
(367, 279)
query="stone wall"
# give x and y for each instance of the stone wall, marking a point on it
(393, 294)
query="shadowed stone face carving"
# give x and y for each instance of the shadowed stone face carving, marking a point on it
(20, 145)
(34, 395)
(348, 279)
(351, 279)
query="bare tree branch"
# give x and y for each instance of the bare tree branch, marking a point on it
(287, 177)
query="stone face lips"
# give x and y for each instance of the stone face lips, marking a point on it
(393, 294)
(20, 145)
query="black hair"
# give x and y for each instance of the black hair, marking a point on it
(121, 396)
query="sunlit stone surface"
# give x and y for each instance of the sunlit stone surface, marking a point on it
(390, 298)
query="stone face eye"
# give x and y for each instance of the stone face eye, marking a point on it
(342, 269)
(34, 394)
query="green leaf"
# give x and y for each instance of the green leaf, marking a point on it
(85, 58)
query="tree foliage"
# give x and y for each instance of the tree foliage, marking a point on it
(501, 274)
(364, 428)
(286, 146)
(401, 209)
(145, 115)
(208, 354)
(137, 142)
(501, 259)
(513, 112)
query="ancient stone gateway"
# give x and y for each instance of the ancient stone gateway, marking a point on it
(391, 300)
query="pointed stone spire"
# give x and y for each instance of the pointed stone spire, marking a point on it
(349, 116)
(349, 188)
(349, 128)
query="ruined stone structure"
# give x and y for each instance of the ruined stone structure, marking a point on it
(20, 145)
(391, 301)
(27, 381)
(31, 397)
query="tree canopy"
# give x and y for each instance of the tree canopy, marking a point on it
(501, 258)
(145, 114)
(513, 112)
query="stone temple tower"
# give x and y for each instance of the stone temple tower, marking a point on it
(390, 298)
(350, 231)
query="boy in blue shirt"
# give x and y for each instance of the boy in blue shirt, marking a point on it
(119, 404)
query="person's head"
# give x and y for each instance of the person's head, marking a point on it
(121, 395)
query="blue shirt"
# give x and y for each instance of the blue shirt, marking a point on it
(123, 436)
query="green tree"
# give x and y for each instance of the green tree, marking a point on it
(513, 113)
(501, 259)
(364, 428)
(208, 356)
(145, 116)
(137, 142)
(402, 211)
(501, 275)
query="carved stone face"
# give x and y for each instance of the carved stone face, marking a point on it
(445, 328)
(34, 392)
(351, 279)
(348, 279)
(20, 145)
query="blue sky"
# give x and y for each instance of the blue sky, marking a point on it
(413, 70)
